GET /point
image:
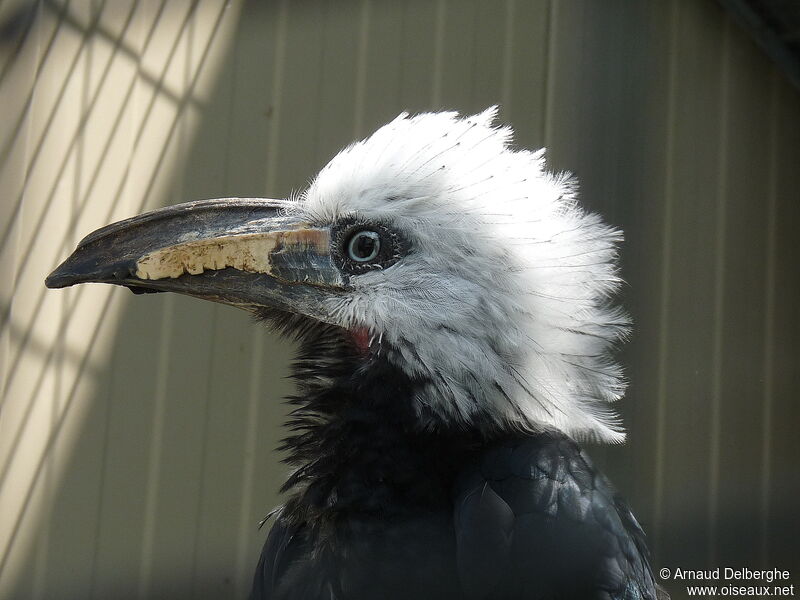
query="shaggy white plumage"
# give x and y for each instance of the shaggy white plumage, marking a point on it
(503, 301)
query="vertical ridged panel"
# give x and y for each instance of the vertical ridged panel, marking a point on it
(137, 435)
(689, 297)
(740, 309)
(783, 529)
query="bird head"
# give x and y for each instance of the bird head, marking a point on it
(436, 248)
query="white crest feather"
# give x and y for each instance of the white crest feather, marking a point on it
(503, 302)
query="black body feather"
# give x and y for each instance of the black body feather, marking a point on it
(380, 508)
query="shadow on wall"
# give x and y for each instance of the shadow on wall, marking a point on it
(157, 458)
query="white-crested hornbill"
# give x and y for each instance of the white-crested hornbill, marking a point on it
(453, 307)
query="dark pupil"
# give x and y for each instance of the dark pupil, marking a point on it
(364, 246)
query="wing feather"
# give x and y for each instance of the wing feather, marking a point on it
(535, 519)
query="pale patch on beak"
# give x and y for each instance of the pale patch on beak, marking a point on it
(252, 253)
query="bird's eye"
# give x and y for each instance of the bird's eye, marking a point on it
(364, 246)
(359, 246)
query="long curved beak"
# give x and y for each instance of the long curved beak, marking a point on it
(245, 252)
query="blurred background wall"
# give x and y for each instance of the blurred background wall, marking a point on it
(137, 436)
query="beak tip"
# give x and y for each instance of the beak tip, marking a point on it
(82, 269)
(60, 279)
(66, 274)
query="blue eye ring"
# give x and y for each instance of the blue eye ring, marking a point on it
(364, 246)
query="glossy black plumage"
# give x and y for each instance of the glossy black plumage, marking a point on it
(380, 508)
(535, 519)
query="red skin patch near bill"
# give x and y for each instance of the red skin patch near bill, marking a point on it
(361, 338)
